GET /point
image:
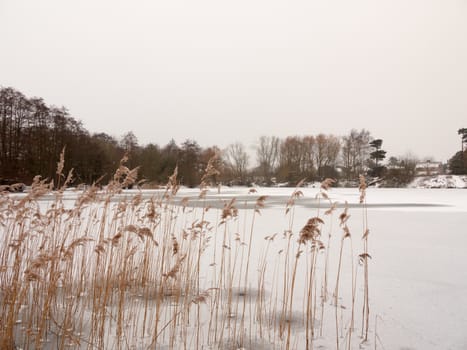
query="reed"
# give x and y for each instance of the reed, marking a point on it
(116, 269)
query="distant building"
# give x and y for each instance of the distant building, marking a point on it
(428, 168)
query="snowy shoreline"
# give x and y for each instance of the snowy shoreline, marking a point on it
(440, 181)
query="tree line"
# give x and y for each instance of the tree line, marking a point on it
(33, 134)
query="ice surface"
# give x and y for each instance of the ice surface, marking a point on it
(417, 274)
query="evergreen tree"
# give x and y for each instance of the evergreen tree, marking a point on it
(457, 164)
(189, 167)
(376, 156)
(463, 133)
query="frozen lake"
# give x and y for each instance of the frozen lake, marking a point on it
(417, 271)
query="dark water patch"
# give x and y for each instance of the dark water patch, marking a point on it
(295, 319)
(250, 294)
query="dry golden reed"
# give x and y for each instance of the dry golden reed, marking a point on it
(116, 270)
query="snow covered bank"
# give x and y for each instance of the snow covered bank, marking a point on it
(440, 181)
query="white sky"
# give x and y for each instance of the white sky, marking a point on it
(221, 71)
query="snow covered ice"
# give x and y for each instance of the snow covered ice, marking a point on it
(417, 271)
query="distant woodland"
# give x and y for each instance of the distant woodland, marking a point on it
(33, 134)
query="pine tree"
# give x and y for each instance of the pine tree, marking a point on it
(463, 133)
(376, 156)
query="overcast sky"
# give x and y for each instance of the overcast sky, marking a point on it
(220, 71)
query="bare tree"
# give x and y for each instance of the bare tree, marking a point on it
(308, 156)
(355, 153)
(297, 158)
(332, 151)
(289, 159)
(129, 142)
(267, 156)
(326, 153)
(237, 161)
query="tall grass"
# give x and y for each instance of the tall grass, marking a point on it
(116, 269)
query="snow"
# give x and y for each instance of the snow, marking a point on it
(440, 181)
(419, 278)
(418, 271)
(417, 274)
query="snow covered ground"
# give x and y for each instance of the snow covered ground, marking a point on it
(440, 181)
